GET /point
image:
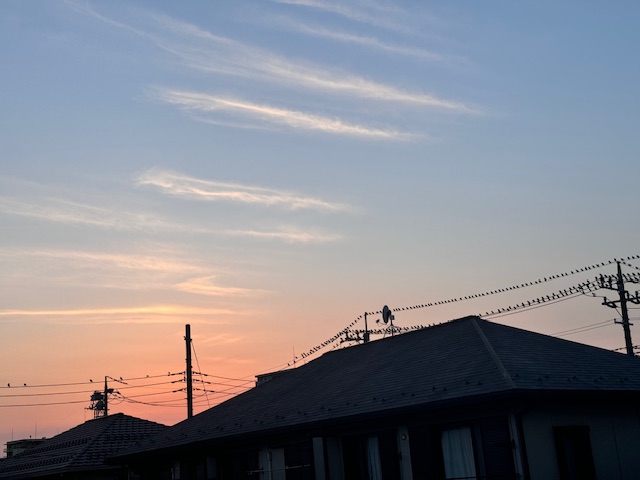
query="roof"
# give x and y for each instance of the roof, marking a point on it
(81, 448)
(460, 359)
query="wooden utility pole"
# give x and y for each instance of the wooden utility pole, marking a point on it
(106, 397)
(616, 283)
(189, 372)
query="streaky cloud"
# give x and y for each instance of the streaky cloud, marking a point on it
(163, 310)
(230, 57)
(147, 315)
(365, 41)
(207, 286)
(365, 14)
(121, 261)
(285, 236)
(202, 102)
(69, 212)
(221, 338)
(181, 185)
(234, 58)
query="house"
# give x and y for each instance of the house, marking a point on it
(466, 399)
(80, 453)
(15, 447)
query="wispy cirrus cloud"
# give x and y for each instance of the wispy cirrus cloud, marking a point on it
(125, 271)
(365, 41)
(70, 212)
(226, 56)
(205, 103)
(155, 309)
(207, 286)
(148, 314)
(370, 13)
(202, 50)
(287, 236)
(109, 261)
(181, 185)
(222, 338)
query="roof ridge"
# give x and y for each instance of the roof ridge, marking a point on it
(492, 352)
(94, 438)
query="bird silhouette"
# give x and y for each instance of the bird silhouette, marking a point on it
(91, 380)
(8, 385)
(25, 384)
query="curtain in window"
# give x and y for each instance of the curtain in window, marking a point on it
(271, 463)
(175, 471)
(373, 458)
(457, 451)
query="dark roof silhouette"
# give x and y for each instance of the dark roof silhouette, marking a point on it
(459, 361)
(82, 448)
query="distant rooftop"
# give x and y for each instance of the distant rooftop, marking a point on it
(15, 447)
(81, 448)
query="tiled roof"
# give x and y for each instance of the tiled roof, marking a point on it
(457, 360)
(84, 447)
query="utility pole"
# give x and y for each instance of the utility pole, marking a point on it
(100, 401)
(187, 339)
(106, 397)
(616, 283)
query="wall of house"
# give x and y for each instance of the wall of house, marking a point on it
(613, 433)
(490, 450)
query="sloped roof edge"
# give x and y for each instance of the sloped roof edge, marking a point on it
(464, 358)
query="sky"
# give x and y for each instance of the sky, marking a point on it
(267, 171)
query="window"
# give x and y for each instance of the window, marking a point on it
(362, 459)
(211, 468)
(175, 470)
(374, 468)
(458, 453)
(573, 448)
(271, 463)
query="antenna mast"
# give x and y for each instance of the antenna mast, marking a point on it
(366, 329)
(388, 317)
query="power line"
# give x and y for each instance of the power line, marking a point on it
(150, 384)
(42, 404)
(127, 386)
(501, 312)
(218, 376)
(84, 392)
(545, 300)
(50, 385)
(584, 328)
(198, 363)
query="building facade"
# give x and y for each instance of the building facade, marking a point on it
(468, 399)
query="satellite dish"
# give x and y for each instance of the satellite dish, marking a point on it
(386, 314)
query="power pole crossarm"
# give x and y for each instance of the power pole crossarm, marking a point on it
(617, 283)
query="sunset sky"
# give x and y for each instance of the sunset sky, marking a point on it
(268, 171)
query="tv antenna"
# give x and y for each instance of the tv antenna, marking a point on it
(387, 318)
